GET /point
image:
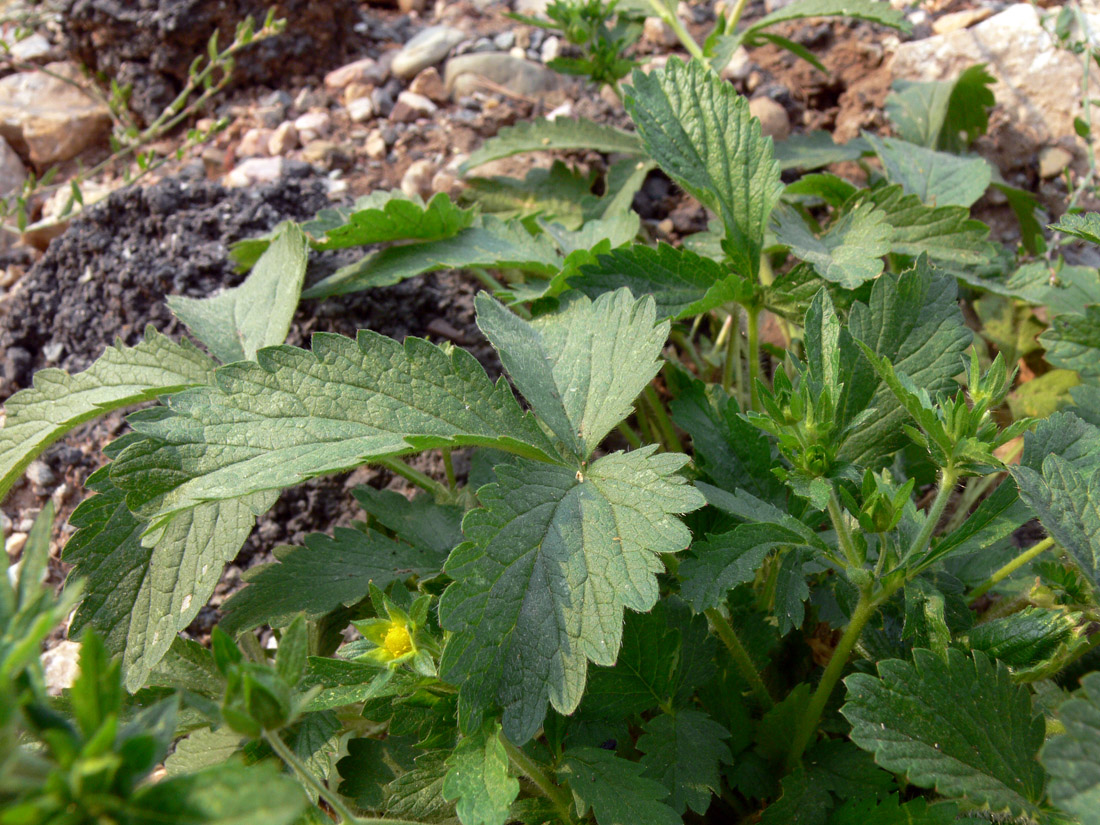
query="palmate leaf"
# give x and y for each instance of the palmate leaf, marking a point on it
(683, 752)
(478, 779)
(956, 724)
(488, 242)
(583, 366)
(682, 283)
(420, 521)
(1073, 759)
(1073, 343)
(613, 789)
(295, 414)
(937, 178)
(849, 253)
(38, 416)
(236, 322)
(540, 587)
(542, 135)
(381, 217)
(700, 132)
(138, 597)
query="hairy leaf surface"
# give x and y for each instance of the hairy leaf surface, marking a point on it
(1073, 343)
(225, 795)
(541, 135)
(946, 234)
(683, 752)
(1073, 758)
(381, 217)
(1085, 225)
(478, 778)
(849, 253)
(614, 789)
(937, 178)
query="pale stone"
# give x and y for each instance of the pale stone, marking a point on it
(34, 47)
(366, 70)
(417, 179)
(60, 666)
(312, 125)
(361, 109)
(426, 49)
(254, 171)
(429, 84)
(417, 102)
(551, 48)
(357, 90)
(466, 74)
(254, 143)
(55, 219)
(960, 20)
(376, 145)
(12, 173)
(1053, 160)
(39, 473)
(1038, 85)
(531, 8)
(739, 67)
(320, 153)
(658, 32)
(284, 139)
(774, 121)
(14, 544)
(48, 120)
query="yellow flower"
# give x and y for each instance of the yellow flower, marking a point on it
(397, 641)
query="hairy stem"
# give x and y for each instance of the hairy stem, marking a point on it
(741, 657)
(627, 432)
(547, 786)
(843, 534)
(734, 18)
(1003, 573)
(449, 468)
(754, 356)
(920, 544)
(424, 482)
(674, 23)
(974, 489)
(664, 423)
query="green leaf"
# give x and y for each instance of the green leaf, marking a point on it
(937, 178)
(542, 135)
(38, 416)
(418, 521)
(1073, 759)
(918, 110)
(812, 150)
(369, 766)
(315, 740)
(683, 752)
(614, 789)
(946, 234)
(1073, 343)
(235, 323)
(870, 10)
(914, 322)
(555, 193)
(849, 253)
(1026, 638)
(478, 778)
(956, 724)
(682, 283)
(202, 749)
(700, 131)
(294, 414)
(381, 217)
(138, 595)
(418, 794)
(1066, 290)
(1083, 225)
(328, 572)
(581, 367)
(802, 802)
(489, 242)
(226, 795)
(967, 116)
(890, 811)
(550, 564)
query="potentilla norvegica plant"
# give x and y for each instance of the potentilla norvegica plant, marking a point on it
(688, 576)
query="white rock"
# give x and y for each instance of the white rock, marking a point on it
(376, 145)
(253, 172)
(1053, 160)
(1038, 85)
(418, 179)
(361, 109)
(312, 125)
(774, 121)
(565, 110)
(60, 665)
(34, 47)
(366, 70)
(14, 543)
(463, 74)
(254, 143)
(5, 524)
(551, 48)
(48, 120)
(426, 49)
(418, 103)
(532, 8)
(740, 66)
(429, 84)
(284, 139)
(658, 32)
(12, 173)
(39, 473)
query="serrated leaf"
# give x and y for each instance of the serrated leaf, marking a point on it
(1073, 343)
(418, 794)
(870, 10)
(700, 131)
(138, 597)
(946, 234)
(1073, 759)
(683, 752)
(418, 521)
(478, 779)
(226, 795)
(937, 178)
(295, 414)
(614, 789)
(315, 740)
(1083, 225)
(890, 811)
(812, 150)
(556, 193)
(38, 416)
(967, 116)
(956, 724)
(914, 322)
(1064, 290)
(381, 217)
(238, 321)
(582, 367)
(559, 134)
(682, 283)
(849, 253)
(488, 242)
(918, 110)
(369, 766)
(202, 749)
(1023, 639)
(802, 802)
(550, 564)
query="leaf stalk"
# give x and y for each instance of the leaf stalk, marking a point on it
(1007, 570)
(547, 786)
(741, 658)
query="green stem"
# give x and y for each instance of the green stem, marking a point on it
(741, 657)
(1014, 565)
(754, 356)
(664, 423)
(449, 468)
(628, 433)
(975, 488)
(674, 23)
(547, 786)
(948, 477)
(843, 534)
(685, 343)
(424, 482)
(735, 18)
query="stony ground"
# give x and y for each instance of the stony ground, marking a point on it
(358, 97)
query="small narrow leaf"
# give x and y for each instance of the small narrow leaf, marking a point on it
(613, 789)
(478, 778)
(541, 135)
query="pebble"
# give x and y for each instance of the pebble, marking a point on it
(658, 32)
(284, 139)
(376, 145)
(40, 473)
(26, 524)
(321, 153)
(739, 67)
(383, 101)
(255, 171)
(1053, 160)
(463, 75)
(411, 106)
(60, 666)
(12, 173)
(551, 48)
(270, 116)
(429, 84)
(254, 143)
(355, 91)
(505, 40)
(361, 109)
(366, 70)
(34, 47)
(14, 543)
(774, 121)
(426, 49)
(960, 20)
(417, 179)
(312, 125)
(53, 351)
